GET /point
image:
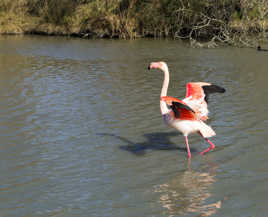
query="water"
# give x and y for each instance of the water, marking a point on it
(81, 132)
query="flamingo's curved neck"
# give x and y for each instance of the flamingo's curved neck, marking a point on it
(163, 106)
(165, 82)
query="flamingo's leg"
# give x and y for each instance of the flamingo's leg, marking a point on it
(188, 148)
(212, 146)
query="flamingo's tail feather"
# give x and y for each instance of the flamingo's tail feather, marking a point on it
(206, 131)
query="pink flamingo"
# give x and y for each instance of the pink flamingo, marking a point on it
(187, 115)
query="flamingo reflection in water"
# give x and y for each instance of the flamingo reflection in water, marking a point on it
(188, 192)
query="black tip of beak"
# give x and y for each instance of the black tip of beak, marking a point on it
(149, 67)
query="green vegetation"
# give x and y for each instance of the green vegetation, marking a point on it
(229, 21)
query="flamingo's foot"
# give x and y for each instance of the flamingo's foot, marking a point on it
(208, 149)
(205, 151)
(212, 146)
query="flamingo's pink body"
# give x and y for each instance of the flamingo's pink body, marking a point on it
(187, 115)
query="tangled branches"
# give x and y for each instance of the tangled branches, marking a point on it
(212, 23)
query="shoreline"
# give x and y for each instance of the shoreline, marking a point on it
(237, 33)
(199, 43)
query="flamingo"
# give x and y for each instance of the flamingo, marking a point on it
(187, 115)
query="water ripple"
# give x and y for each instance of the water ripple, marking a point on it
(81, 131)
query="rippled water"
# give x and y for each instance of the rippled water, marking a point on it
(81, 132)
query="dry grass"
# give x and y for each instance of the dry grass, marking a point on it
(13, 23)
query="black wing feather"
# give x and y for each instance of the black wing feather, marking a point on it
(176, 106)
(208, 89)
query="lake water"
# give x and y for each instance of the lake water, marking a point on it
(81, 132)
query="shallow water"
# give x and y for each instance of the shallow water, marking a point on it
(81, 132)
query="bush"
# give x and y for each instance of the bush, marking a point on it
(209, 20)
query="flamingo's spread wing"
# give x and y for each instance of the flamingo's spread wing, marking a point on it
(170, 99)
(197, 94)
(195, 90)
(181, 109)
(201, 90)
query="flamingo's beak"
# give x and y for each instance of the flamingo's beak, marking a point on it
(155, 65)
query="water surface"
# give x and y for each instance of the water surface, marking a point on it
(81, 131)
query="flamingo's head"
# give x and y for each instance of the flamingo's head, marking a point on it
(158, 65)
